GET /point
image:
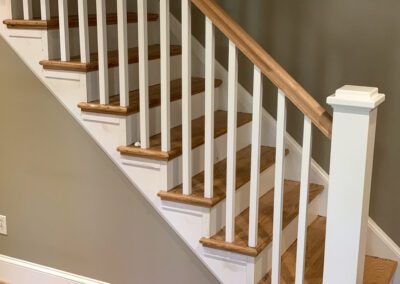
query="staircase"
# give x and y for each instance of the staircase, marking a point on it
(225, 175)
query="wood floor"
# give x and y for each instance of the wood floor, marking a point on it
(73, 21)
(290, 211)
(155, 153)
(377, 270)
(198, 86)
(243, 164)
(75, 63)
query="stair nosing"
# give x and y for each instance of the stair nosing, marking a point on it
(245, 250)
(74, 65)
(202, 201)
(159, 155)
(53, 23)
(96, 107)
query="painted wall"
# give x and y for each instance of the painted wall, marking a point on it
(325, 45)
(67, 205)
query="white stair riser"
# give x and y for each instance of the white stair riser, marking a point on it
(217, 213)
(112, 40)
(263, 263)
(113, 74)
(175, 166)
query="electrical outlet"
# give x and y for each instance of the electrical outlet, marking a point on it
(3, 225)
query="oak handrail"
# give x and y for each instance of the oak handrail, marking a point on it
(268, 66)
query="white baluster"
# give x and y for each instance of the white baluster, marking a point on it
(64, 30)
(255, 157)
(45, 10)
(303, 206)
(143, 74)
(102, 51)
(231, 149)
(27, 9)
(352, 152)
(123, 53)
(165, 76)
(186, 97)
(83, 31)
(209, 110)
(279, 188)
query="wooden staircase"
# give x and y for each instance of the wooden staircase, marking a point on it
(237, 189)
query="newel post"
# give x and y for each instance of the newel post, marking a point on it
(353, 139)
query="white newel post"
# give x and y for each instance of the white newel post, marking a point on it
(353, 139)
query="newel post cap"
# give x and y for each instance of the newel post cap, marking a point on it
(357, 96)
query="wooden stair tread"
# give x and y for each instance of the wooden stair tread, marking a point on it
(53, 23)
(243, 164)
(113, 61)
(376, 270)
(198, 86)
(155, 153)
(266, 207)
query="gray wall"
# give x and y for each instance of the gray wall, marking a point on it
(67, 205)
(325, 45)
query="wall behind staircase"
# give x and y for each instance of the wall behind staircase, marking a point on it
(67, 205)
(325, 45)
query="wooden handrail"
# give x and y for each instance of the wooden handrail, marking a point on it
(268, 66)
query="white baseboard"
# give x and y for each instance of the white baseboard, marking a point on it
(16, 271)
(381, 245)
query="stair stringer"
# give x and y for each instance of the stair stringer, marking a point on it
(31, 45)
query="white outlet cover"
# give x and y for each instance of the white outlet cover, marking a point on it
(3, 225)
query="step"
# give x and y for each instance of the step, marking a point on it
(198, 86)
(113, 61)
(53, 23)
(243, 165)
(155, 153)
(266, 206)
(376, 270)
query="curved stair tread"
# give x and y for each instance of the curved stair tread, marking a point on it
(75, 63)
(198, 86)
(376, 270)
(73, 21)
(155, 153)
(266, 208)
(243, 166)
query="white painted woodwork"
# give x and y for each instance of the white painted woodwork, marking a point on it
(83, 31)
(353, 138)
(27, 9)
(123, 53)
(45, 9)
(143, 74)
(186, 97)
(102, 51)
(64, 30)
(279, 187)
(165, 76)
(255, 157)
(209, 110)
(303, 205)
(231, 147)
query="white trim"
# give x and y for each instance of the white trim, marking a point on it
(23, 272)
(379, 244)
